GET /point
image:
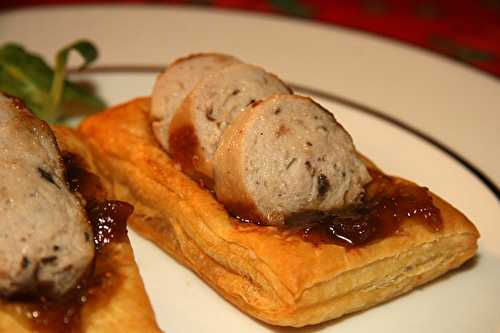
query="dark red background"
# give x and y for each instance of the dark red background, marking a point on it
(468, 31)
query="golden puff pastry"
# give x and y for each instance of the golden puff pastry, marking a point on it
(273, 275)
(119, 302)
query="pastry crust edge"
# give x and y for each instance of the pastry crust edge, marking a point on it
(254, 268)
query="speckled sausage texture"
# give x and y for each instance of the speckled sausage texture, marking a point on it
(285, 155)
(213, 103)
(172, 86)
(46, 243)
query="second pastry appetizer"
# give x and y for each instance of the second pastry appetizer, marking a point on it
(266, 198)
(66, 264)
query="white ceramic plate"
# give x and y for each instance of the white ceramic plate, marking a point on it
(446, 103)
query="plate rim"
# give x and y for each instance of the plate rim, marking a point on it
(485, 180)
(256, 13)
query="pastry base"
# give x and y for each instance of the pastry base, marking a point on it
(270, 274)
(122, 306)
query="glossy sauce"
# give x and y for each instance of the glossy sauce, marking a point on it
(109, 222)
(387, 203)
(183, 144)
(82, 181)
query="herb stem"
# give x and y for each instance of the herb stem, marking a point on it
(89, 54)
(57, 87)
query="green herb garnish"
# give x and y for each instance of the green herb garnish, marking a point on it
(43, 90)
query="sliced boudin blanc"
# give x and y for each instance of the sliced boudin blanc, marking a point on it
(204, 114)
(176, 82)
(286, 155)
(46, 243)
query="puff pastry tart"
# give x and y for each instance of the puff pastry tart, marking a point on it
(58, 273)
(299, 274)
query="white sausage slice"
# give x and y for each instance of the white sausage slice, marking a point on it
(176, 82)
(46, 243)
(204, 114)
(286, 155)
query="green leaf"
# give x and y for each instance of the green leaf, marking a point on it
(88, 53)
(47, 94)
(25, 76)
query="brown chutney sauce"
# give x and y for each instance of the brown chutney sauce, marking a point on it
(107, 217)
(109, 223)
(387, 203)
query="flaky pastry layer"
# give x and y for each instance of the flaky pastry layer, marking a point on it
(270, 274)
(123, 306)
